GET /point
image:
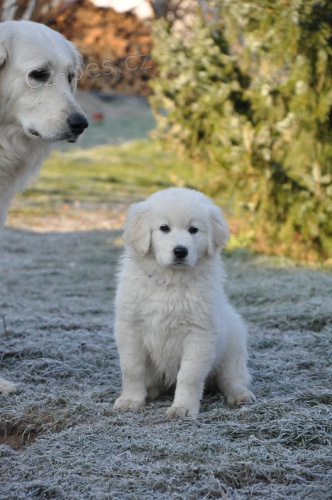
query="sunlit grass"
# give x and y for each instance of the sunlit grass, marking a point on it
(107, 175)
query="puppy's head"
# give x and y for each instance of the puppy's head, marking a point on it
(38, 77)
(178, 227)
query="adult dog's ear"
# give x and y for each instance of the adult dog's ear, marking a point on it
(3, 53)
(77, 65)
(137, 233)
(219, 231)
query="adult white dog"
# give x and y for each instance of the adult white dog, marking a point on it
(38, 69)
(174, 324)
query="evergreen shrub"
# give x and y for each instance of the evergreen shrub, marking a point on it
(250, 89)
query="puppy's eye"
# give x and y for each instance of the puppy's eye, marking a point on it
(71, 77)
(40, 75)
(165, 228)
(193, 230)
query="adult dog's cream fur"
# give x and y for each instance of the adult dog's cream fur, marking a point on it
(37, 106)
(174, 324)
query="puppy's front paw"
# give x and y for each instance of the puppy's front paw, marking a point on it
(181, 412)
(126, 404)
(239, 397)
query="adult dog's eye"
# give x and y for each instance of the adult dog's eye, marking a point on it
(71, 77)
(193, 230)
(165, 228)
(40, 75)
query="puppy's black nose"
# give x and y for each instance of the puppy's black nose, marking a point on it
(180, 252)
(77, 122)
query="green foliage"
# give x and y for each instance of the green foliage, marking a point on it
(252, 92)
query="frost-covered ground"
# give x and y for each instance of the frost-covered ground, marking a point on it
(61, 438)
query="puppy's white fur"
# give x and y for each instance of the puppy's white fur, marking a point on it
(33, 114)
(174, 324)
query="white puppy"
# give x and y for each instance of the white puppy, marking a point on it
(174, 324)
(38, 75)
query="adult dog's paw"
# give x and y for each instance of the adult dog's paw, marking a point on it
(7, 387)
(240, 396)
(126, 404)
(181, 412)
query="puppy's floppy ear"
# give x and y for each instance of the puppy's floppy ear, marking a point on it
(219, 231)
(5, 40)
(137, 233)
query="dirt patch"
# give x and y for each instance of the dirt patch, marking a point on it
(18, 441)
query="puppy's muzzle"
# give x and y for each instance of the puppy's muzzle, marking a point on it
(180, 252)
(77, 123)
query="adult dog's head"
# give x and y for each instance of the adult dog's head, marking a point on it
(177, 226)
(38, 76)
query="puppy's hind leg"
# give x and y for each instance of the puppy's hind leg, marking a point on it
(154, 383)
(233, 377)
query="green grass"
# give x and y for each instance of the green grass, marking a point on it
(109, 175)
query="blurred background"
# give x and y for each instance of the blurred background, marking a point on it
(230, 97)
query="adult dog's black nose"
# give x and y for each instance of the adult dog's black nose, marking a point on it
(180, 252)
(77, 123)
